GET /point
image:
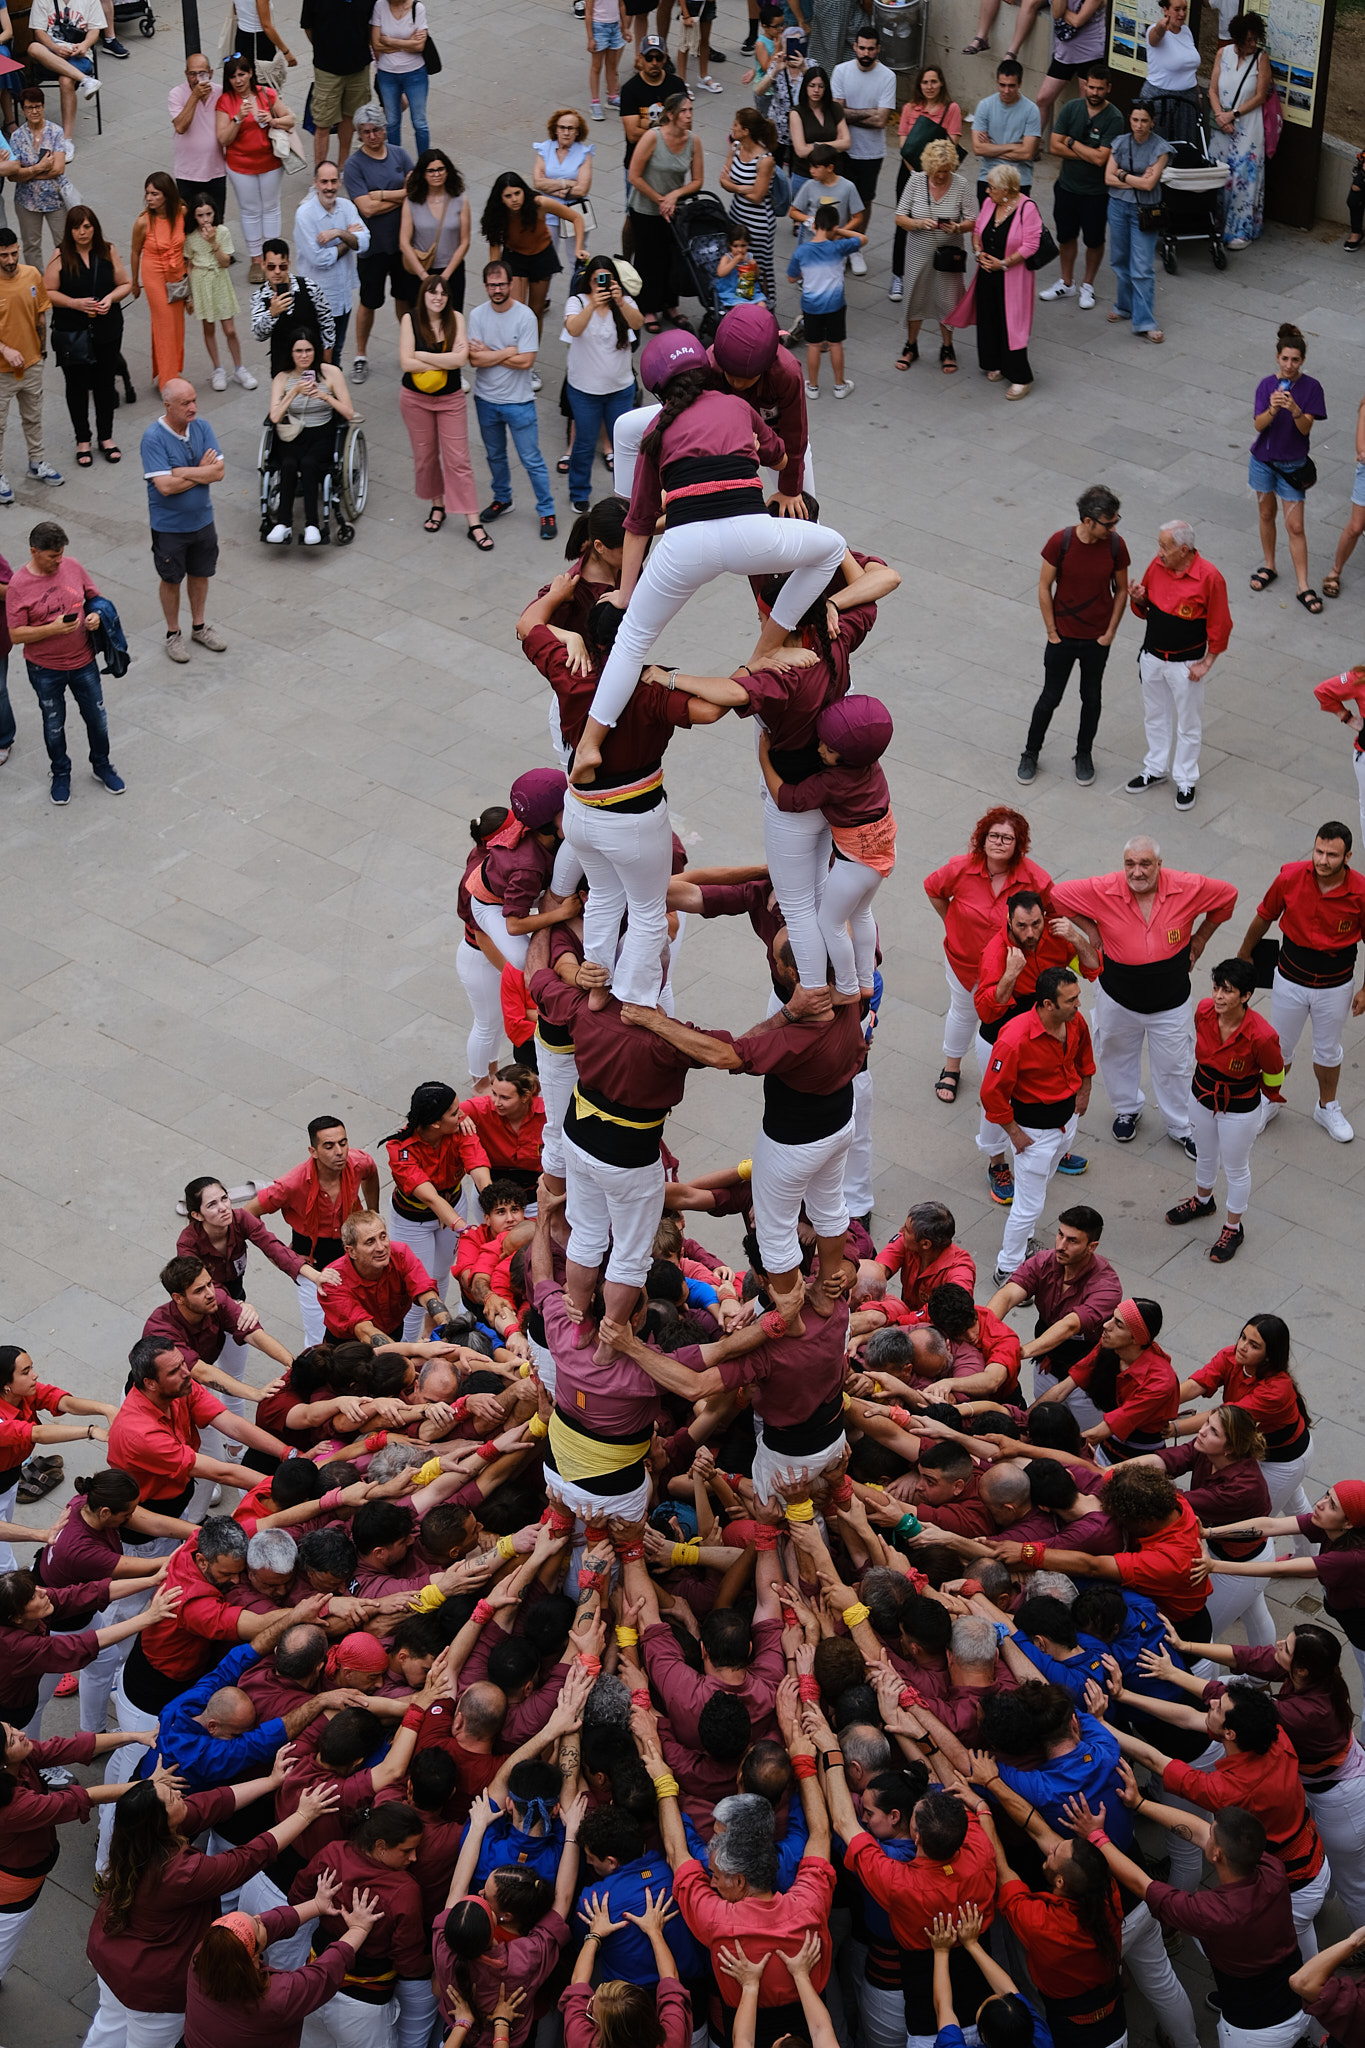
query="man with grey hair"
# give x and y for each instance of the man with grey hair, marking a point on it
(1153, 923)
(272, 1558)
(181, 461)
(925, 1256)
(865, 1751)
(328, 233)
(744, 1846)
(375, 177)
(1184, 601)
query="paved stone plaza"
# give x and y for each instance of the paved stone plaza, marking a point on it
(264, 927)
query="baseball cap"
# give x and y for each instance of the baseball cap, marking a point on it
(654, 46)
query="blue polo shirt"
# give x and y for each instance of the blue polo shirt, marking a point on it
(164, 450)
(791, 1846)
(1090, 1771)
(504, 1842)
(627, 1953)
(1074, 1672)
(205, 1760)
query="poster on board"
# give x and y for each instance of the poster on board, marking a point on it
(1128, 26)
(1293, 41)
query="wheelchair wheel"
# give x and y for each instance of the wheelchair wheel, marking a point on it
(355, 473)
(1168, 257)
(270, 483)
(1220, 254)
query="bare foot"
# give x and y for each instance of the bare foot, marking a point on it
(597, 998)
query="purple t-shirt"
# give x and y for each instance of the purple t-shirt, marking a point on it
(80, 1556)
(1282, 441)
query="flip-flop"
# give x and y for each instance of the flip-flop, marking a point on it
(84, 459)
(1262, 578)
(1310, 601)
(562, 466)
(112, 453)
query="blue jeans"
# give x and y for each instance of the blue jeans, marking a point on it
(494, 422)
(50, 686)
(1133, 256)
(392, 86)
(9, 731)
(591, 411)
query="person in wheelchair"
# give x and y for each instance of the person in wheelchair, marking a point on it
(306, 402)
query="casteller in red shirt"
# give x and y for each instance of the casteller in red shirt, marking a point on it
(381, 1298)
(923, 1270)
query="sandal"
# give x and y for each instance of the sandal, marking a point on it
(84, 458)
(563, 465)
(995, 376)
(113, 453)
(434, 520)
(610, 461)
(481, 537)
(1310, 601)
(947, 1085)
(977, 47)
(909, 354)
(947, 361)
(1331, 584)
(653, 324)
(1262, 578)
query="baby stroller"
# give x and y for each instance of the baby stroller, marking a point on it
(1192, 183)
(701, 229)
(345, 486)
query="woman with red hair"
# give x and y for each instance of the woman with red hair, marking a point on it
(231, 1993)
(969, 893)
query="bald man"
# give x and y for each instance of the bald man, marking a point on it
(181, 460)
(1145, 919)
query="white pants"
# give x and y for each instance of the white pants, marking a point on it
(558, 1079)
(671, 952)
(1033, 1171)
(1284, 1484)
(847, 926)
(122, 1763)
(1225, 1138)
(1144, 1951)
(435, 1247)
(260, 1895)
(784, 1177)
(1340, 1817)
(97, 1681)
(882, 2013)
(858, 1164)
(1283, 2034)
(796, 847)
(1291, 1006)
(686, 557)
(349, 2023)
(8, 1501)
(767, 1464)
(416, 2013)
(961, 1024)
(310, 1308)
(617, 1204)
(1307, 1904)
(1187, 1859)
(483, 985)
(627, 860)
(116, 2025)
(1118, 1034)
(12, 1930)
(990, 1138)
(1172, 708)
(258, 202)
(1238, 1599)
(630, 431)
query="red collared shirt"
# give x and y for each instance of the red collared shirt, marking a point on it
(1125, 933)
(1274, 1400)
(1160, 1567)
(974, 907)
(17, 1420)
(914, 1893)
(1147, 1393)
(1253, 1049)
(158, 1446)
(1050, 951)
(383, 1301)
(517, 1150)
(412, 1162)
(1323, 922)
(192, 1639)
(204, 1340)
(953, 1266)
(1268, 1786)
(1196, 592)
(1033, 1066)
(307, 1208)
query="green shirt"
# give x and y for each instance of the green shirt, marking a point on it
(1092, 131)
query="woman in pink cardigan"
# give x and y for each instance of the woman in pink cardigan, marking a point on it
(999, 303)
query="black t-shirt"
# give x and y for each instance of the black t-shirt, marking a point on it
(340, 32)
(639, 98)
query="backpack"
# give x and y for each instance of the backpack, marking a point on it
(1068, 535)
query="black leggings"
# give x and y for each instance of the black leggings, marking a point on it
(304, 462)
(898, 243)
(1355, 200)
(92, 380)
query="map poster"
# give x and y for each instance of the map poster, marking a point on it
(1294, 43)
(1128, 28)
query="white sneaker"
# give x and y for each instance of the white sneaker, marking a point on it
(69, 150)
(535, 380)
(812, 390)
(897, 290)
(1087, 297)
(89, 87)
(597, 113)
(312, 537)
(1329, 1115)
(219, 378)
(1061, 290)
(842, 390)
(241, 375)
(857, 263)
(710, 85)
(277, 536)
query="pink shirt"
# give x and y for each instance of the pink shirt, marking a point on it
(34, 600)
(1125, 933)
(196, 157)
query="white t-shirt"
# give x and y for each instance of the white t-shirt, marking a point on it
(87, 14)
(1173, 63)
(393, 25)
(514, 327)
(597, 364)
(864, 90)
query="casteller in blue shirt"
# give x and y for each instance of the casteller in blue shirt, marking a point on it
(626, 1954)
(205, 1760)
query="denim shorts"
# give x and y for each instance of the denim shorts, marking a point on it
(607, 35)
(1262, 477)
(1358, 487)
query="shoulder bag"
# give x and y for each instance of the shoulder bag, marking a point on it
(1046, 252)
(1151, 208)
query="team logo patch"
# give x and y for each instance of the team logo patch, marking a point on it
(996, 1066)
(1173, 938)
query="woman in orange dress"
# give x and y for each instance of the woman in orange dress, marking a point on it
(158, 259)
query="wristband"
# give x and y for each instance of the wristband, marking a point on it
(686, 1553)
(640, 1698)
(488, 1452)
(1029, 1552)
(590, 1663)
(848, 1398)
(429, 1473)
(808, 1686)
(909, 1525)
(377, 1441)
(536, 1428)
(630, 1553)
(789, 1618)
(593, 1568)
(1099, 1838)
(970, 1586)
(483, 1611)
(430, 1598)
(524, 1369)
(841, 1493)
(832, 1759)
(745, 1169)
(507, 1546)
(918, 1580)
(773, 1324)
(854, 1614)
(804, 1767)
(872, 1485)
(627, 1638)
(459, 1409)
(765, 1538)
(666, 1787)
(413, 1718)
(908, 1699)
(800, 1511)
(878, 1388)
(1003, 1632)
(330, 1500)
(557, 1521)
(900, 1416)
